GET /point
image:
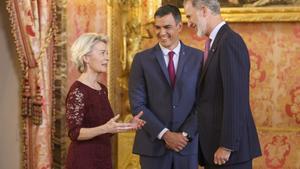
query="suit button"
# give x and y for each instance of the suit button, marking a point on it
(174, 107)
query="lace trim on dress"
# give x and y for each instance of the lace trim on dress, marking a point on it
(75, 106)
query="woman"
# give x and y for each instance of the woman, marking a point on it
(88, 113)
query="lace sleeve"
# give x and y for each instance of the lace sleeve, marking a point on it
(75, 108)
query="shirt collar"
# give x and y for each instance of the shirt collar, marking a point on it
(215, 31)
(176, 50)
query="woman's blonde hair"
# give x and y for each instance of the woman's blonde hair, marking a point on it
(84, 45)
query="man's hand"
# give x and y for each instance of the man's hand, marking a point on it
(175, 141)
(221, 156)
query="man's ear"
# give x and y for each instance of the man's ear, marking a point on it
(179, 26)
(205, 11)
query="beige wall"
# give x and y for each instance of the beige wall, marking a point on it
(10, 153)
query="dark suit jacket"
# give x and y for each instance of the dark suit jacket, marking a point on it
(224, 114)
(150, 91)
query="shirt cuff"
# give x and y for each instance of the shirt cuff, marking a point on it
(162, 133)
(227, 149)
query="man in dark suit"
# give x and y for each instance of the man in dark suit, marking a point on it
(227, 133)
(162, 84)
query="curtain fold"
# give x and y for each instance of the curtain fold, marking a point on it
(33, 27)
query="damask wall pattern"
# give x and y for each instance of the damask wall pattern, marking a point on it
(84, 16)
(274, 50)
(275, 98)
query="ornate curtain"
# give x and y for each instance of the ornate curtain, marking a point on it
(33, 23)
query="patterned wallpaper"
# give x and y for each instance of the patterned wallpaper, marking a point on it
(84, 16)
(275, 90)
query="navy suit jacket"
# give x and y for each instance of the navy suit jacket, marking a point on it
(150, 91)
(224, 114)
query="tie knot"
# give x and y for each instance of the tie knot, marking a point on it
(171, 54)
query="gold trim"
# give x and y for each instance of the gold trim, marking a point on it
(59, 85)
(262, 14)
(258, 14)
(114, 31)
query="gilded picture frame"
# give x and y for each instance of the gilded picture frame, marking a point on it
(254, 10)
(261, 14)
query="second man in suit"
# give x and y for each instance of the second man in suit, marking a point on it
(162, 84)
(227, 133)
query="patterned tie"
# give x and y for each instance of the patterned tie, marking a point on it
(206, 49)
(171, 68)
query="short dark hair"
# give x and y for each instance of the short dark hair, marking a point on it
(168, 9)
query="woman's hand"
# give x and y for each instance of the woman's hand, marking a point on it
(136, 122)
(112, 126)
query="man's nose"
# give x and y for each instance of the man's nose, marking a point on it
(106, 55)
(162, 32)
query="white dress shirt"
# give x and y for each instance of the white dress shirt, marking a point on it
(166, 51)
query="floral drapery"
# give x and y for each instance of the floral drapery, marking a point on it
(33, 26)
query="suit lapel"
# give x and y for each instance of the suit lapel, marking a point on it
(160, 58)
(212, 50)
(181, 62)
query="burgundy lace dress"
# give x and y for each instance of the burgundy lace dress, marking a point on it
(86, 108)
